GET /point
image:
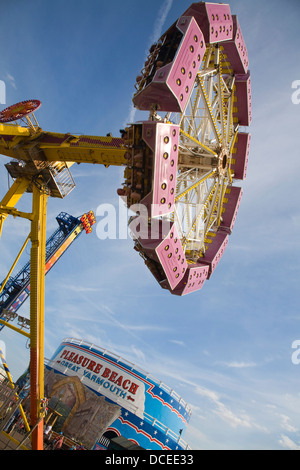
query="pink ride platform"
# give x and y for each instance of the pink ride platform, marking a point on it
(193, 280)
(163, 141)
(240, 155)
(172, 84)
(214, 251)
(231, 205)
(242, 106)
(236, 50)
(164, 247)
(214, 20)
(172, 258)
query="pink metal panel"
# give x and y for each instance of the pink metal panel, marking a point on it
(142, 232)
(241, 155)
(172, 258)
(236, 50)
(163, 140)
(186, 62)
(242, 106)
(157, 94)
(172, 84)
(231, 204)
(149, 233)
(193, 280)
(214, 20)
(215, 251)
(163, 246)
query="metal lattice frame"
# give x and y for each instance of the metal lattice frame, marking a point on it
(206, 141)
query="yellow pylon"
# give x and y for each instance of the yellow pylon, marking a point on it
(37, 289)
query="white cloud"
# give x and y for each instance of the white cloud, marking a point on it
(11, 80)
(239, 365)
(177, 342)
(222, 410)
(231, 418)
(161, 18)
(2, 92)
(285, 423)
(138, 353)
(147, 327)
(288, 443)
(156, 33)
(78, 288)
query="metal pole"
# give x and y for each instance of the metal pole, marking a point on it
(37, 286)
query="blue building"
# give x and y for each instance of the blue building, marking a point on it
(94, 383)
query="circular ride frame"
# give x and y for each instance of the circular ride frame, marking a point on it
(204, 90)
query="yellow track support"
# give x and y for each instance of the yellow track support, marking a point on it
(222, 104)
(193, 186)
(198, 142)
(209, 108)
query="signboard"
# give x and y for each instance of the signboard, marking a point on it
(102, 375)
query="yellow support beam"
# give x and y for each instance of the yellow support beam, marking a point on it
(8, 436)
(83, 154)
(13, 130)
(193, 186)
(12, 327)
(15, 213)
(209, 109)
(41, 305)
(198, 143)
(37, 289)
(57, 147)
(12, 196)
(222, 103)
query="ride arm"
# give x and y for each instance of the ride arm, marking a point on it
(19, 143)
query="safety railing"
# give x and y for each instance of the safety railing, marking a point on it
(62, 178)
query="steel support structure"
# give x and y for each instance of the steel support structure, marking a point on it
(37, 218)
(42, 172)
(37, 291)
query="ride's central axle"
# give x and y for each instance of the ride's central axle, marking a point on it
(223, 161)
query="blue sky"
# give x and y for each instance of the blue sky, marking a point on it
(227, 349)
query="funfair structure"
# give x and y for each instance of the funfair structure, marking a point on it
(180, 165)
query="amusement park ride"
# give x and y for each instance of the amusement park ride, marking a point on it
(180, 164)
